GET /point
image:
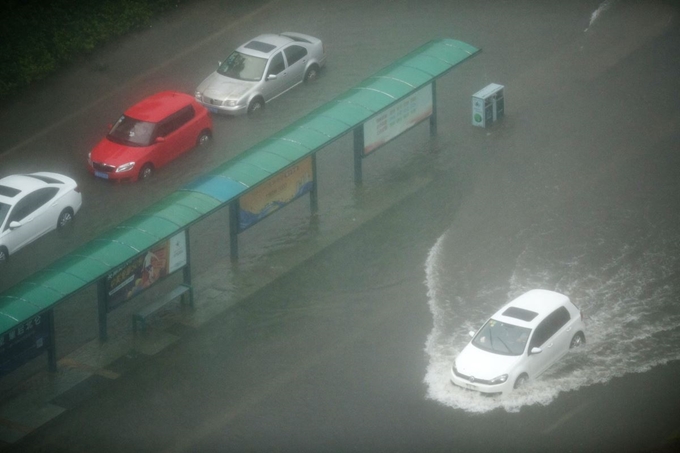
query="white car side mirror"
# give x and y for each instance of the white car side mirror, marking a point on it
(535, 350)
(271, 77)
(14, 225)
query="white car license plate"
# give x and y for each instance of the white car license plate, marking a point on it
(100, 174)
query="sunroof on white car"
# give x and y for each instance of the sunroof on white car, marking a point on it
(520, 313)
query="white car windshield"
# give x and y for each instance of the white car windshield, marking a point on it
(502, 338)
(243, 67)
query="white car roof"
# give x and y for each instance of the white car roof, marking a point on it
(539, 301)
(25, 183)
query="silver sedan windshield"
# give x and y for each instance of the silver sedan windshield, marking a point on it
(502, 338)
(243, 67)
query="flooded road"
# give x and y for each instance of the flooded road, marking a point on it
(576, 190)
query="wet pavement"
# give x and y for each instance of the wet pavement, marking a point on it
(315, 341)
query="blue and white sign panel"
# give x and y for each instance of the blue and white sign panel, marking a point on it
(23, 343)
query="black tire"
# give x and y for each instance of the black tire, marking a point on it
(312, 74)
(4, 255)
(145, 172)
(577, 340)
(65, 218)
(521, 381)
(255, 107)
(203, 138)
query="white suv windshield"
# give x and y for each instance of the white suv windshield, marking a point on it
(502, 338)
(243, 67)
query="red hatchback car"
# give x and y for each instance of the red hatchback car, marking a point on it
(150, 134)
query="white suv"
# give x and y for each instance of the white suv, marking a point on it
(519, 342)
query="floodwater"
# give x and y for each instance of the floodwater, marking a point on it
(608, 237)
(575, 190)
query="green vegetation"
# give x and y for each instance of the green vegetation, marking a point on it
(37, 36)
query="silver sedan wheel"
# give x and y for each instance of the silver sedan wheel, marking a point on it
(255, 108)
(312, 74)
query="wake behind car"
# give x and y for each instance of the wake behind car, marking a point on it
(519, 342)
(149, 135)
(32, 205)
(261, 70)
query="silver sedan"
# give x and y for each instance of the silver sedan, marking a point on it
(261, 70)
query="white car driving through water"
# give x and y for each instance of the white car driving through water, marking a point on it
(519, 342)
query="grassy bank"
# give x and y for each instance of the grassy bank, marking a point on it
(37, 37)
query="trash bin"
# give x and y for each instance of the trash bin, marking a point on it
(488, 105)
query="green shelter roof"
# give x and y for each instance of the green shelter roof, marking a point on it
(95, 259)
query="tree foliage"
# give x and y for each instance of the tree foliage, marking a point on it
(39, 36)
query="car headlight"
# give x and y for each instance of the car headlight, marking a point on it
(89, 158)
(231, 102)
(499, 380)
(198, 95)
(125, 167)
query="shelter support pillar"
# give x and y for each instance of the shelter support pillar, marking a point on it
(186, 271)
(433, 117)
(234, 208)
(358, 154)
(52, 347)
(101, 302)
(313, 194)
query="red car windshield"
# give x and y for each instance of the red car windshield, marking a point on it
(132, 132)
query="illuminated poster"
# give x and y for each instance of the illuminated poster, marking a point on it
(145, 270)
(275, 193)
(397, 119)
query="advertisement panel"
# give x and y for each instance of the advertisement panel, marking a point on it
(140, 273)
(23, 343)
(397, 119)
(275, 193)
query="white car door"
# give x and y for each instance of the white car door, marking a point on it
(35, 216)
(550, 337)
